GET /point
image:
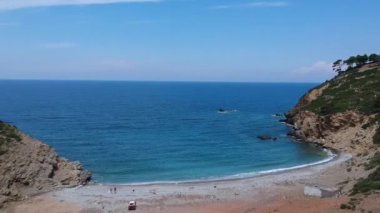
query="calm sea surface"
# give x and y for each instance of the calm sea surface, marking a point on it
(128, 132)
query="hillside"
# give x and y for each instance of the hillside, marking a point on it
(344, 114)
(29, 167)
(355, 89)
(346, 106)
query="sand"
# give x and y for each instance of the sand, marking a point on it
(277, 192)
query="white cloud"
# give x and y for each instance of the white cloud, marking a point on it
(317, 72)
(59, 45)
(317, 67)
(17, 4)
(255, 4)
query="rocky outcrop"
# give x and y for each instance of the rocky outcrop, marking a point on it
(307, 99)
(339, 131)
(341, 113)
(28, 167)
(344, 114)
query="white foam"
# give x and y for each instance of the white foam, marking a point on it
(329, 153)
(330, 157)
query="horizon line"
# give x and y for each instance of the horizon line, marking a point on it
(166, 81)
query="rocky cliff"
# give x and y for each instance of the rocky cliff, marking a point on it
(343, 113)
(28, 167)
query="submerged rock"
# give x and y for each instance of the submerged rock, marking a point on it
(221, 110)
(264, 137)
(278, 115)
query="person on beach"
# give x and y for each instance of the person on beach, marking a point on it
(111, 190)
(114, 190)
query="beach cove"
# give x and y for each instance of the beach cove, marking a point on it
(329, 182)
(256, 194)
(189, 106)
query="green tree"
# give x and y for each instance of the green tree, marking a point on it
(374, 58)
(337, 65)
(361, 59)
(350, 62)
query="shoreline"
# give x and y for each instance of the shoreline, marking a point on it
(208, 196)
(332, 155)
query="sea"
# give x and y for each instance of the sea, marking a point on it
(144, 132)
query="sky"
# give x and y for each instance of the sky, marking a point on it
(183, 40)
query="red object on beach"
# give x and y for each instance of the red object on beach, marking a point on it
(132, 205)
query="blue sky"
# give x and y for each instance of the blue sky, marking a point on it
(183, 40)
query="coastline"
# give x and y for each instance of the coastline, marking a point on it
(329, 185)
(208, 196)
(332, 155)
(298, 171)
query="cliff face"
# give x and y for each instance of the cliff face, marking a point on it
(28, 167)
(340, 131)
(341, 113)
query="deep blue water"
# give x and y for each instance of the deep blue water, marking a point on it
(128, 132)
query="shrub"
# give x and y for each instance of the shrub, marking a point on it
(369, 124)
(326, 110)
(374, 162)
(8, 134)
(369, 184)
(345, 206)
(376, 137)
(376, 105)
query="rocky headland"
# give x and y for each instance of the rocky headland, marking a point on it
(343, 114)
(29, 167)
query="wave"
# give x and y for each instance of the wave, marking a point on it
(239, 176)
(328, 152)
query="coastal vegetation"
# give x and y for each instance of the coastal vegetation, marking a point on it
(372, 182)
(344, 114)
(356, 89)
(8, 134)
(374, 162)
(352, 90)
(355, 62)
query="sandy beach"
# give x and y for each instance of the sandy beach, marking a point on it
(265, 193)
(189, 106)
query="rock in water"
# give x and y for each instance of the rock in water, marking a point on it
(264, 137)
(28, 167)
(278, 115)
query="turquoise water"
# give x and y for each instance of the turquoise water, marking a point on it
(133, 132)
